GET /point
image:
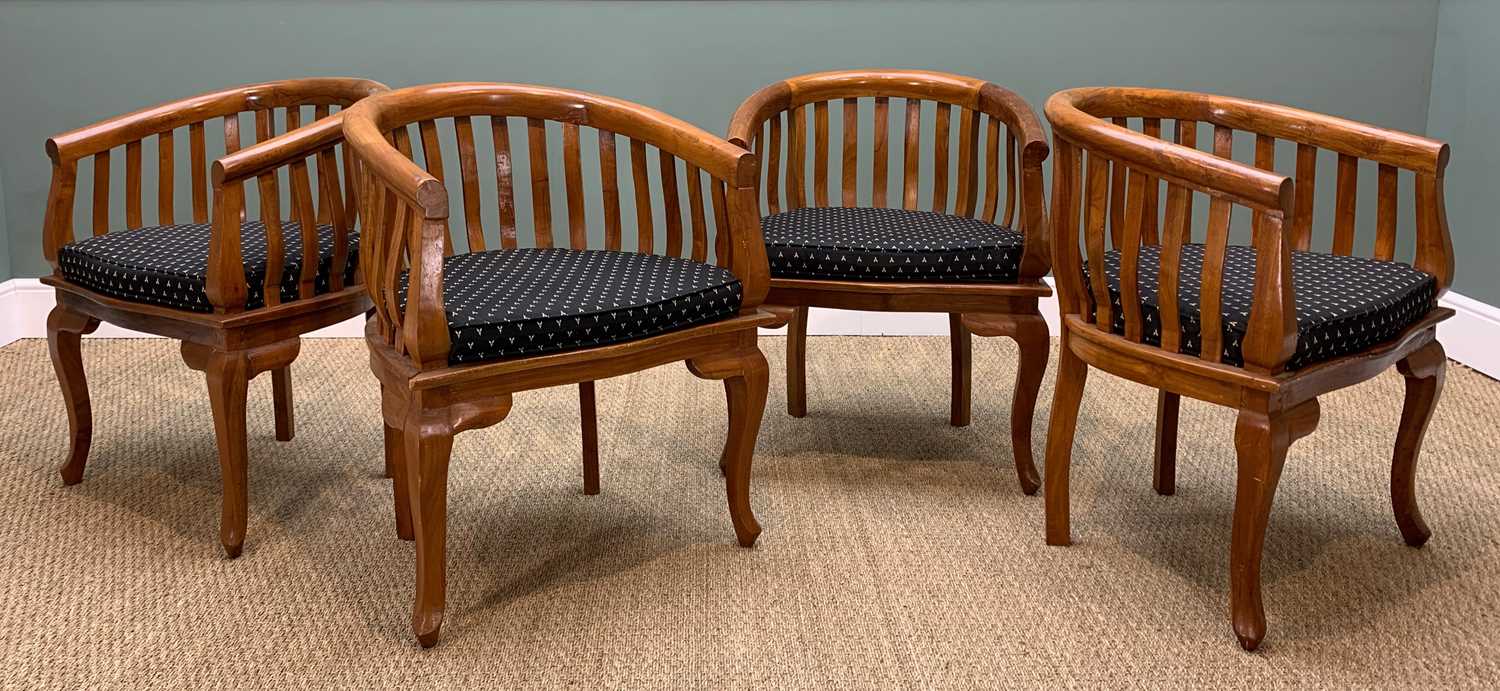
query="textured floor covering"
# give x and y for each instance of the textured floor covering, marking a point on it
(898, 552)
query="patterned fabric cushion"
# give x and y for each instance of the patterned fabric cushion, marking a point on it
(168, 265)
(890, 245)
(1344, 304)
(505, 303)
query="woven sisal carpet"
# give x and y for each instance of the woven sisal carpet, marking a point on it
(898, 551)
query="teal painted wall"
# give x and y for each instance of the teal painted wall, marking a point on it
(1465, 112)
(71, 63)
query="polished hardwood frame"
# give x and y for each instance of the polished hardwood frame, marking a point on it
(231, 344)
(425, 400)
(1106, 174)
(983, 110)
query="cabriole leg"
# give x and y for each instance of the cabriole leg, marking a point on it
(1425, 371)
(65, 329)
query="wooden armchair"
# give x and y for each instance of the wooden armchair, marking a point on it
(1264, 328)
(457, 332)
(237, 293)
(982, 263)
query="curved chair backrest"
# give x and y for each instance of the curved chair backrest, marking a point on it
(1118, 183)
(406, 206)
(296, 99)
(774, 123)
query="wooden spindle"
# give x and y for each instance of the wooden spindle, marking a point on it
(198, 151)
(1305, 190)
(402, 220)
(1130, 296)
(101, 192)
(1385, 214)
(671, 203)
(911, 154)
(307, 220)
(940, 159)
(541, 186)
(1185, 133)
(882, 134)
(328, 181)
(1211, 289)
(324, 212)
(645, 242)
(578, 231)
(1224, 148)
(1012, 187)
(1344, 195)
(432, 156)
(133, 184)
(609, 176)
(1096, 191)
(968, 162)
(1174, 230)
(849, 170)
(468, 171)
(270, 217)
(820, 153)
(695, 210)
(1150, 226)
(1117, 176)
(165, 185)
(773, 165)
(796, 160)
(991, 169)
(505, 189)
(721, 222)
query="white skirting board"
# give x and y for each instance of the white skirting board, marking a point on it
(1471, 337)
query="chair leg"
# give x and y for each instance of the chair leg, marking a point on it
(1067, 397)
(796, 363)
(961, 348)
(1164, 472)
(1261, 440)
(1035, 345)
(65, 329)
(228, 379)
(428, 441)
(1425, 371)
(281, 392)
(746, 379)
(589, 419)
(395, 469)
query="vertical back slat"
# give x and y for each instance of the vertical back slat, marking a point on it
(1012, 187)
(541, 186)
(101, 192)
(198, 150)
(328, 181)
(324, 210)
(796, 160)
(1344, 193)
(165, 185)
(820, 153)
(1130, 296)
(695, 209)
(1117, 175)
(468, 171)
(133, 184)
(940, 159)
(1096, 186)
(1302, 211)
(645, 241)
(882, 135)
(505, 189)
(1385, 214)
(578, 231)
(671, 203)
(1150, 225)
(721, 222)
(307, 220)
(991, 170)
(432, 156)
(1211, 290)
(849, 172)
(773, 169)
(1173, 231)
(270, 217)
(1223, 148)
(1185, 132)
(911, 153)
(968, 162)
(609, 177)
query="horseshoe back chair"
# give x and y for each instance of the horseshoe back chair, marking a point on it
(980, 260)
(237, 293)
(456, 333)
(1264, 328)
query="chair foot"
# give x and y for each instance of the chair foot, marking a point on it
(796, 363)
(962, 357)
(1424, 370)
(746, 377)
(1067, 398)
(1164, 471)
(65, 329)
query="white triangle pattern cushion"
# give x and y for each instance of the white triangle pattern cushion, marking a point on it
(168, 265)
(1344, 304)
(529, 301)
(889, 245)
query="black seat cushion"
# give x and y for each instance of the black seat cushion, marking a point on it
(889, 245)
(505, 303)
(1344, 304)
(168, 265)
